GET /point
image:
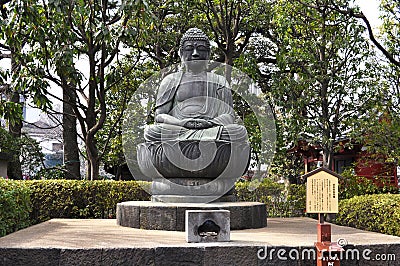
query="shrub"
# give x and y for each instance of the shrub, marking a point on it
(378, 213)
(281, 200)
(50, 173)
(14, 206)
(80, 199)
(296, 201)
(28, 202)
(351, 185)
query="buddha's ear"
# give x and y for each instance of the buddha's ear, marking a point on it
(209, 55)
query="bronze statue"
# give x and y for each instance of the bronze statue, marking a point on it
(194, 133)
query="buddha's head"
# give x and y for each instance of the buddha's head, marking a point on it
(194, 46)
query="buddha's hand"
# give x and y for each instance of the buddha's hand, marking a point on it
(197, 124)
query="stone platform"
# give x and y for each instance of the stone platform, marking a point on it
(171, 216)
(102, 242)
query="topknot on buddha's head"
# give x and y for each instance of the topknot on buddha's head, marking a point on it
(194, 34)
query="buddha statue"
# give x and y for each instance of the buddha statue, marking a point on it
(194, 135)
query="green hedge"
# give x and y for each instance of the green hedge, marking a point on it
(281, 200)
(97, 199)
(14, 206)
(29, 202)
(378, 213)
(80, 199)
(351, 185)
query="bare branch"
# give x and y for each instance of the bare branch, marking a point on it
(2, 56)
(41, 127)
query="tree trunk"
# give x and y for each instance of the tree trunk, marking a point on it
(70, 141)
(93, 162)
(92, 157)
(95, 167)
(14, 170)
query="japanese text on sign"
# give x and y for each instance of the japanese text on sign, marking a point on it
(322, 193)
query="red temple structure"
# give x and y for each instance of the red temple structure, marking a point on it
(367, 165)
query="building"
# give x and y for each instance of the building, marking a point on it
(371, 166)
(49, 138)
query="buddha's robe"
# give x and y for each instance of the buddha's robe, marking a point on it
(214, 105)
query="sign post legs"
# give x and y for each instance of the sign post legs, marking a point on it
(328, 253)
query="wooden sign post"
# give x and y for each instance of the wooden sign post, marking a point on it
(322, 197)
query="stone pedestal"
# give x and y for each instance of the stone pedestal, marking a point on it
(207, 226)
(191, 190)
(171, 216)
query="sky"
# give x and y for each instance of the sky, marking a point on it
(368, 7)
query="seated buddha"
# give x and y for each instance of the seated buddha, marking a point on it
(194, 133)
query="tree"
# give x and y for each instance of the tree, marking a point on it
(154, 48)
(11, 106)
(232, 25)
(117, 99)
(70, 133)
(159, 39)
(22, 149)
(321, 87)
(58, 34)
(235, 27)
(391, 8)
(391, 34)
(381, 135)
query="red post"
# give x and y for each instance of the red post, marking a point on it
(328, 253)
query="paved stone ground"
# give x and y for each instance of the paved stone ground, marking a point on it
(103, 242)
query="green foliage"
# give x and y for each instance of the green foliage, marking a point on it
(320, 89)
(80, 199)
(351, 185)
(159, 38)
(281, 200)
(381, 135)
(296, 200)
(10, 111)
(25, 149)
(391, 25)
(46, 174)
(287, 166)
(7, 141)
(14, 206)
(31, 156)
(378, 213)
(379, 128)
(29, 202)
(117, 98)
(58, 33)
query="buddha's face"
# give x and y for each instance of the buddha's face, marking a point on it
(193, 51)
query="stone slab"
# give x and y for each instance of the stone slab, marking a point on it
(103, 242)
(171, 216)
(207, 226)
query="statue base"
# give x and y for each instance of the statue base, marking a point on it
(191, 190)
(171, 216)
(192, 199)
